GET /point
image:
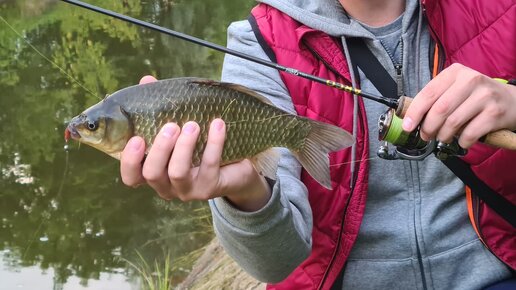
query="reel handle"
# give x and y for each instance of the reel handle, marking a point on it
(502, 138)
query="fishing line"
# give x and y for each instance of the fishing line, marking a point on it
(59, 191)
(33, 237)
(258, 120)
(61, 185)
(356, 161)
(349, 162)
(65, 172)
(47, 59)
(226, 109)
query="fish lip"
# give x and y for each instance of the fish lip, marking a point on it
(73, 132)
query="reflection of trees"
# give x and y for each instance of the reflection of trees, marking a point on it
(203, 19)
(82, 224)
(86, 227)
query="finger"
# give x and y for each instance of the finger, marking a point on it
(179, 168)
(489, 118)
(475, 129)
(443, 107)
(131, 162)
(424, 100)
(155, 167)
(228, 184)
(456, 122)
(147, 79)
(211, 159)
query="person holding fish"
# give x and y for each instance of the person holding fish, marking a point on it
(375, 223)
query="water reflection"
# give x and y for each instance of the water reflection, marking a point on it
(70, 215)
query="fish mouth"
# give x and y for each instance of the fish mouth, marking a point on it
(71, 131)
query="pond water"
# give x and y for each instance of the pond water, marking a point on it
(66, 220)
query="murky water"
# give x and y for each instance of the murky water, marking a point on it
(67, 221)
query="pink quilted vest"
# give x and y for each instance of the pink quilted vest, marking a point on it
(337, 214)
(470, 34)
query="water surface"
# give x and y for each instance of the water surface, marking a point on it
(67, 221)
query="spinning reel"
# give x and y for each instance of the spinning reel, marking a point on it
(409, 145)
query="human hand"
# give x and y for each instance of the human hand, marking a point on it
(462, 102)
(168, 170)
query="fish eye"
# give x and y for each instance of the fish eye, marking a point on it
(92, 126)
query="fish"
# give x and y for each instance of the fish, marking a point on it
(254, 125)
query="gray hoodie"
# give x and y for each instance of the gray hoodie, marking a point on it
(415, 233)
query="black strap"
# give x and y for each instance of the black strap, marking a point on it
(363, 58)
(261, 41)
(495, 201)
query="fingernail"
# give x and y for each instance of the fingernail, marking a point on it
(189, 128)
(407, 124)
(218, 124)
(168, 130)
(135, 144)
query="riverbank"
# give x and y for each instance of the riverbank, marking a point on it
(216, 270)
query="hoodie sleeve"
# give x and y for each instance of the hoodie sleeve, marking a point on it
(271, 242)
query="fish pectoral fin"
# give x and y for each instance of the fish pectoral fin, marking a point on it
(266, 163)
(235, 87)
(116, 155)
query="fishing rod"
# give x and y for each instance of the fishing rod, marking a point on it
(409, 144)
(391, 103)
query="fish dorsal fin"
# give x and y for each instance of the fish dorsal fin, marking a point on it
(235, 87)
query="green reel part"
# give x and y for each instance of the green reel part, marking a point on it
(390, 130)
(395, 135)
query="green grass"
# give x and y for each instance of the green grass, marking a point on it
(153, 277)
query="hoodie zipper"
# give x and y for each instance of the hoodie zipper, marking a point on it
(399, 76)
(399, 81)
(398, 66)
(439, 68)
(417, 208)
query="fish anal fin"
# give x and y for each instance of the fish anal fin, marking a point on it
(266, 163)
(322, 139)
(315, 162)
(235, 87)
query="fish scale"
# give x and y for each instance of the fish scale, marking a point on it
(253, 125)
(243, 138)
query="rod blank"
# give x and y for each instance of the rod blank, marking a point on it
(393, 103)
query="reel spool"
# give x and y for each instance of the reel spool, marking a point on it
(390, 130)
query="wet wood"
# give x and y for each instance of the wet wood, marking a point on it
(216, 270)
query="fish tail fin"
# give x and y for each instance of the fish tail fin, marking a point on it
(322, 139)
